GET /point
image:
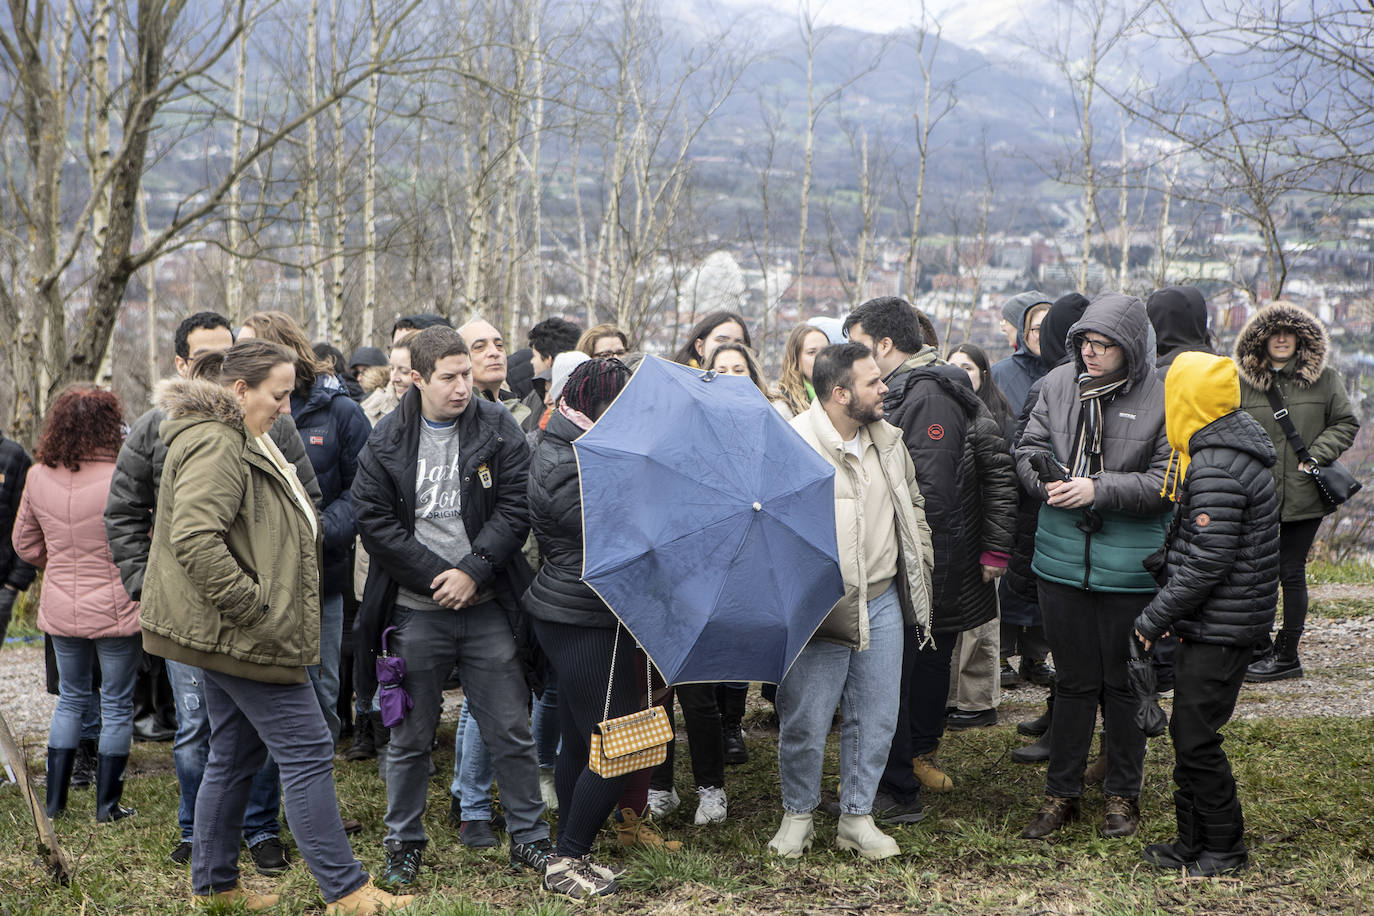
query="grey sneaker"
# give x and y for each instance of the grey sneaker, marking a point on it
(577, 878)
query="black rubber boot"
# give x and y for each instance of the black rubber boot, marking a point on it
(731, 703)
(1223, 843)
(109, 788)
(61, 760)
(1040, 725)
(1183, 851)
(1280, 664)
(83, 774)
(1036, 752)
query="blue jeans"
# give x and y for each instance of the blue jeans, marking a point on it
(864, 686)
(544, 725)
(190, 750)
(247, 718)
(324, 677)
(119, 657)
(472, 770)
(479, 638)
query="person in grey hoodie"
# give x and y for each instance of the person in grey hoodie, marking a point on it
(1015, 374)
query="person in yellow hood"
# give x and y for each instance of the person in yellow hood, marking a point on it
(1219, 590)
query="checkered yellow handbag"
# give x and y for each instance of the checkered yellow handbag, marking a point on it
(629, 743)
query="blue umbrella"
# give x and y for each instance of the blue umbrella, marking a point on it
(708, 525)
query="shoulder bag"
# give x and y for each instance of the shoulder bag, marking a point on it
(633, 742)
(1334, 481)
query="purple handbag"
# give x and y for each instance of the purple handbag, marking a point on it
(391, 674)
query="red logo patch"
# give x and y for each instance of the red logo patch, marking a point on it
(935, 431)
(1203, 520)
(317, 440)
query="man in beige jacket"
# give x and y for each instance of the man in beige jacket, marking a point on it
(885, 557)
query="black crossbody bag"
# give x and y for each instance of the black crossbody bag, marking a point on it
(1334, 481)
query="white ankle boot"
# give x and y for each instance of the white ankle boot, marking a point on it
(793, 837)
(858, 833)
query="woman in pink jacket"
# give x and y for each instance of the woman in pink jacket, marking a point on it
(60, 529)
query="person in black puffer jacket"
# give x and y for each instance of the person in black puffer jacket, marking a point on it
(1219, 594)
(15, 574)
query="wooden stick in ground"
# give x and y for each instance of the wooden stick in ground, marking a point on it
(47, 837)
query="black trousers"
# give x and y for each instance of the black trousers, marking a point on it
(1089, 635)
(705, 741)
(921, 715)
(1295, 542)
(1027, 642)
(1207, 681)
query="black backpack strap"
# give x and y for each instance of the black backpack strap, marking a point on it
(1286, 423)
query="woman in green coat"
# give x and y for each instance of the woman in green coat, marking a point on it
(1285, 347)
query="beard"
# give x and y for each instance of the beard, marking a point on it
(863, 414)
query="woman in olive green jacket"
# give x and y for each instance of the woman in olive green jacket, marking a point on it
(233, 587)
(1285, 347)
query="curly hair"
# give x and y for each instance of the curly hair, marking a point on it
(594, 384)
(84, 423)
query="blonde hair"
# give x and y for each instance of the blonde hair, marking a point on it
(587, 342)
(374, 377)
(792, 384)
(281, 328)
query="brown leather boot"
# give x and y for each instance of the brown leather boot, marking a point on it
(236, 896)
(1053, 814)
(1123, 816)
(632, 830)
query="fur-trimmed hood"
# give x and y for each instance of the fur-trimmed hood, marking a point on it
(1253, 360)
(187, 402)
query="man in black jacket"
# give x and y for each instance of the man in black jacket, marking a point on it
(129, 514)
(934, 421)
(1219, 594)
(441, 507)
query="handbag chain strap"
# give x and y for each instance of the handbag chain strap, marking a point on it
(610, 681)
(1285, 422)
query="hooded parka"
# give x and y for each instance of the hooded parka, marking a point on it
(1015, 374)
(1179, 316)
(233, 577)
(1316, 401)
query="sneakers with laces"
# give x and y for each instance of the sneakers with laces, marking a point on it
(711, 805)
(578, 878)
(661, 803)
(269, 856)
(533, 855)
(402, 865)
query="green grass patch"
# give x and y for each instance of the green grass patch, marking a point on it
(1321, 572)
(1304, 783)
(1342, 608)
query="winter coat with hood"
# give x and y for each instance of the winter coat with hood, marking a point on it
(334, 429)
(558, 593)
(233, 578)
(137, 476)
(1015, 374)
(1135, 454)
(847, 622)
(1179, 316)
(934, 417)
(58, 529)
(1316, 401)
(14, 467)
(1221, 573)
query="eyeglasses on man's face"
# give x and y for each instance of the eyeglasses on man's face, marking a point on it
(1095, 346)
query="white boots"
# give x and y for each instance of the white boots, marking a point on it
(793, 837)
(856, 832)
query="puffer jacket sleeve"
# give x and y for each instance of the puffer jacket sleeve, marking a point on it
(1211, 533)
(132, 502)
(209, 494)
(1136, 491)
(1034, 437)
(1341, 423)
(996, 483)
(505, 529)
(390, 546)
(340, 523)
(29, 542)
(288, 439)
(918, 502)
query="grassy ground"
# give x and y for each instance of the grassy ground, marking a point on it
(1305, 786)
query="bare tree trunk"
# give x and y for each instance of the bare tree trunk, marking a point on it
(314, 266)
(153, 340)
(808, 25)
(336, 256)
(234, 275)
(369, 317)
(1123, 215)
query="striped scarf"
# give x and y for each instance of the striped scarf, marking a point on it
(1092, 391)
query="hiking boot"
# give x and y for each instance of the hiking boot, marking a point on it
(711, 807)
(887, 810)
(1036, 752)
(1038, 672)
(929, 774)
(548, 788)
(731, 702)
(476, 834)
(235, 897)
(794, 836)
(1280, 664)
(860, 835)
(961, 719)
(663, 803)
(1055, 812)
(367, 901)
(533, 855)
(181, 853)
(364, 746)
(1009, 676)
(83, 771)
(1122, 817)
(1183, 851)
(736, 752)
(269, 856)
(577, 878)
(632, 830)
(402, 865)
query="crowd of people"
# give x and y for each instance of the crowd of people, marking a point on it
(282, 517)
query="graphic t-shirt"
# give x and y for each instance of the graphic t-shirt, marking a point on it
(438, 503)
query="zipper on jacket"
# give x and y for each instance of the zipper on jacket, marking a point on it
(1087, 558)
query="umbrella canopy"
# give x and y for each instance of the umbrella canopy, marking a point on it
(708, 525)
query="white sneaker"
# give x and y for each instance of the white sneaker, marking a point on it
(711, 807)
(662, 804)
(793, 837)
(547, 788)
(858, 833)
